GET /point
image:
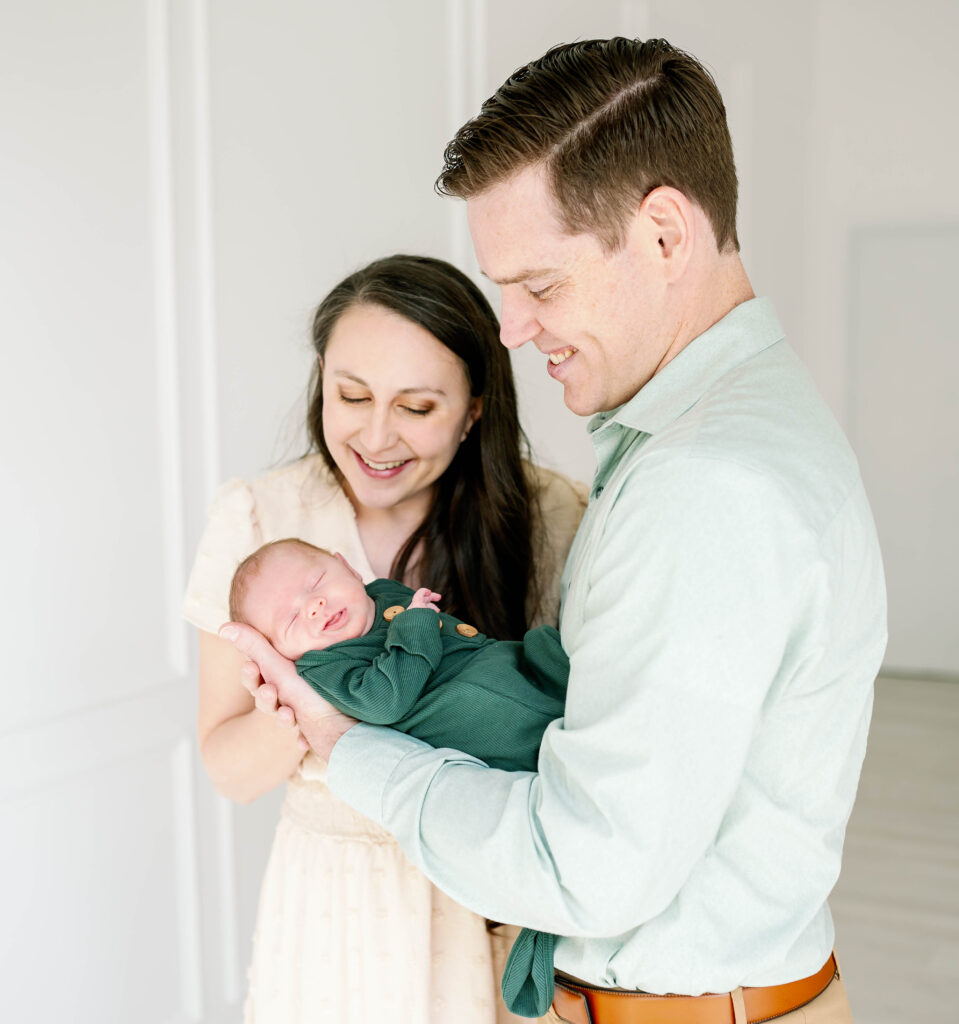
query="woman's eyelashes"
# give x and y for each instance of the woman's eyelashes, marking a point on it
(413, 410)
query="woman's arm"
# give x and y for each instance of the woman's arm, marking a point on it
(246, 753)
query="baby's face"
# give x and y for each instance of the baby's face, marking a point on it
(304, 600)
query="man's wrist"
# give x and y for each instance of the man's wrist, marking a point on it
(324, 733)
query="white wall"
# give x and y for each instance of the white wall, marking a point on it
(182, 181)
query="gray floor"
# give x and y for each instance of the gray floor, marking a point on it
(897, 902)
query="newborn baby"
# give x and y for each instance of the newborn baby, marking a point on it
(388, 656)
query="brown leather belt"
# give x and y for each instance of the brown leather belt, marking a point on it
(577, 1003)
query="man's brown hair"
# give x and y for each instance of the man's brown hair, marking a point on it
(610, 120)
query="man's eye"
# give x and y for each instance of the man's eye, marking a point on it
(539, 293)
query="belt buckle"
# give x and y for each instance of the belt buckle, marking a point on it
(570, 1006)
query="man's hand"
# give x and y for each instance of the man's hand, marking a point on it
(425, 598)
(278, 689)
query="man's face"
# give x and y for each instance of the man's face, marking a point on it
(599, 317)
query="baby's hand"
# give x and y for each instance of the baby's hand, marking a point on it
(425, 598)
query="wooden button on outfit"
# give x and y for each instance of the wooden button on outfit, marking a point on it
(465, 629)
(393, 610)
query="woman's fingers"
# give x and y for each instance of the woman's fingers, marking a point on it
(285, 716)
(258, 649)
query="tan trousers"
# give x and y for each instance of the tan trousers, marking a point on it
(830, 1007)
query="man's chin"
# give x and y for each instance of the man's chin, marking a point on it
(578, 403)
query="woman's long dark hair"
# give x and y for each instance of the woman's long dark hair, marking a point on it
(477, 538)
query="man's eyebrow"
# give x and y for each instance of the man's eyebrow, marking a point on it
(403, 391)
(523, 275)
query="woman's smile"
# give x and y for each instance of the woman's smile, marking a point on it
(381, 470)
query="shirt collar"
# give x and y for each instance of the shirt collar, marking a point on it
(742, 333)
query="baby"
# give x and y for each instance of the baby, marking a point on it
(388, 656)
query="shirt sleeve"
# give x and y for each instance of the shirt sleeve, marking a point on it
(697, 578)
(232, 532)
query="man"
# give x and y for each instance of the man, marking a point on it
(724, 609)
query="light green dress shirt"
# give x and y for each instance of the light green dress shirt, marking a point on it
(724, 615)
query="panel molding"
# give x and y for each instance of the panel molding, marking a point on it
(200, 466)
(165, 318)
(636, 18)
(467, 46)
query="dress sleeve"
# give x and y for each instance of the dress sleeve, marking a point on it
(232, 532)
(560, 503)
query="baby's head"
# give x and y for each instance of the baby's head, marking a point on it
(300, 597)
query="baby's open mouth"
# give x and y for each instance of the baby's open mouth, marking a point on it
(334, 620)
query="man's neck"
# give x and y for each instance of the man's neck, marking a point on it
(707, 297)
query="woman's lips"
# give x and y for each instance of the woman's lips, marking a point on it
(381, 470)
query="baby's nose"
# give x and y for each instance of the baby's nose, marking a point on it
(316, 607)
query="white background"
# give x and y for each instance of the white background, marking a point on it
(180, 183)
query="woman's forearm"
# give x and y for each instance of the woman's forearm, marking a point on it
(245, 752)
(250, 754)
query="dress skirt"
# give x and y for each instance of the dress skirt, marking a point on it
(348, 930)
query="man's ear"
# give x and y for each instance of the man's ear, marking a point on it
(669, 222)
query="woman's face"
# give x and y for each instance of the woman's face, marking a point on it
(396, 405)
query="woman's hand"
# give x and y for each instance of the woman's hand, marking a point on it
(278, 689)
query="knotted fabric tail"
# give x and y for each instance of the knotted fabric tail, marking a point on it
(528, 976)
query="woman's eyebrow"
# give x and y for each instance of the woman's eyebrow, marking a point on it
(403, 391)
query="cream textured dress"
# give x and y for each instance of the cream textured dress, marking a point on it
(347, 929)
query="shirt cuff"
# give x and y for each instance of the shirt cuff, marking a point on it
(362, 762)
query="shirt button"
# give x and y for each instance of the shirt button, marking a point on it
(465, 629)
(393, 610)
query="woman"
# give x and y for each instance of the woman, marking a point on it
(417, 475)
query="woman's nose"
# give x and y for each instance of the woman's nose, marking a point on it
(378, 433)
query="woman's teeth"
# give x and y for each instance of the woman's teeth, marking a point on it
(560, 357)
(382, 465)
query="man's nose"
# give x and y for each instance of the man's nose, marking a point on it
(518, 323)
